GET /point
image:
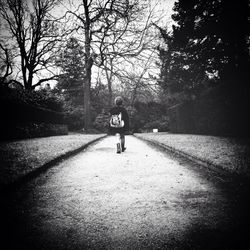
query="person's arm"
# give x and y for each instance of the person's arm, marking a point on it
(126, 119)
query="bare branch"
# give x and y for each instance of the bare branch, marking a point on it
(7, 64)
(55, 77)
(35, 31)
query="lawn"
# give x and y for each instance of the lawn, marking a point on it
(23, 156)
(232, 154)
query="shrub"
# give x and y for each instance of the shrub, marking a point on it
(30, 114)
(74, 117)
(101, 122)
(31, 130)
(42, 98)
(161, 124)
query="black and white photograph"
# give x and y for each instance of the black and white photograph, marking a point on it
(125, 124)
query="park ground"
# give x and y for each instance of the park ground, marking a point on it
(23, 157)
(170, 192)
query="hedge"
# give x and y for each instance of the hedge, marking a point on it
(25, 115)
(216, 113)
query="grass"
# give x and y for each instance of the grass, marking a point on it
(21, 157)
(232, 154)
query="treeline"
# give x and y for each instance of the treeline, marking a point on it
(207, 49)
(109, 34)
(145, 110)
(144, 117)
(26, 114)
(203, 62)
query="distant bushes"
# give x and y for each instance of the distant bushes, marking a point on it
(147, 116)
(40, 99)
(143, 117)
(161, 124)
(101, 122)
(20, 113)
(217, 112)
(26, 114)
(74, 117)
(31, 130)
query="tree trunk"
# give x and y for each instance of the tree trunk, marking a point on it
(87, 102)
(88, 67)
(109, 81)
(110, 94)
(109, 76)
(25, 82)
(30, 79)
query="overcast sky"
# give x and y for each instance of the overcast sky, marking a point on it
(162, 11)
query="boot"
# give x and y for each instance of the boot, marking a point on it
(118, 148)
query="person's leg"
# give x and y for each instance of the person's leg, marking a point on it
(118, 144)
(122, 137)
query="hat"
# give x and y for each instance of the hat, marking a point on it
(118, 100)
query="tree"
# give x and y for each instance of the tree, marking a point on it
(35, 34)
(138, 84)
(105, 25)
(210, 38)
(71, 62)
(5, 64)
(219, 34)
(109, 72)
(128, 51)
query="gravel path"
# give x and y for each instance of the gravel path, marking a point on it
(141, 199)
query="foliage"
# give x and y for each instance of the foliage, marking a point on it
(40, 98)
(100, 98)
(210, 38)
(146, 113)
(6, 64)
(70, 83)
(32, 130)
(71, 62)
(74, 117)
(107, 30)
(143, 116)
(102, 122)
(216, 112)
(161, 124)
(30, 113)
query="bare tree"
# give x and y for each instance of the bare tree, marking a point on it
(109, 72)
(5, 64)
(138, 84)
(35, 33)
(131, 44)
(106, 26)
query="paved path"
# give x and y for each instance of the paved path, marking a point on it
(141, 199)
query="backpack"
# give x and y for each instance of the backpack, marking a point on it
(116, 121)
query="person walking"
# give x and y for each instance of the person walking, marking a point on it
(119, 123)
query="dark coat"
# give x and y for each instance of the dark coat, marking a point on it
(116, 110)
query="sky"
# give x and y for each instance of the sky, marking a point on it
(162, 14)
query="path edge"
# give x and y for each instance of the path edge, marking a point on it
(37, 171)
(216, 168)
